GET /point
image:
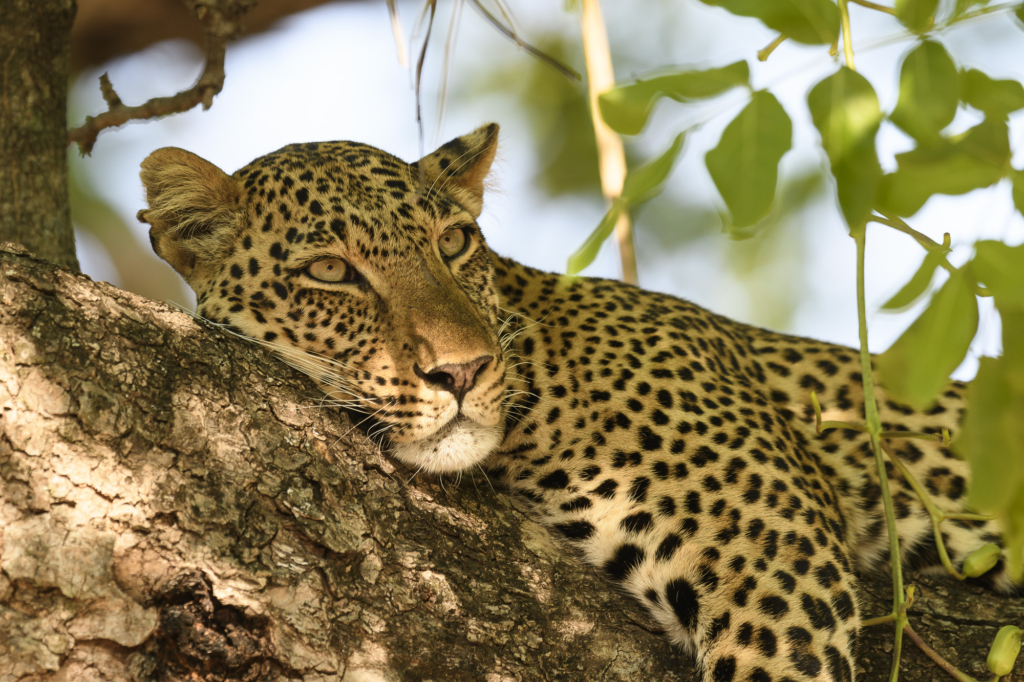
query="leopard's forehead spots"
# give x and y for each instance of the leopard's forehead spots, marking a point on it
(347, 199)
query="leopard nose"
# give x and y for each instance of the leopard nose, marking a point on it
(457, 379)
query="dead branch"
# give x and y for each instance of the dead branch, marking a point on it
(221, 21)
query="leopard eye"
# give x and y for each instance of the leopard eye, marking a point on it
(331, 270)
(453, 242)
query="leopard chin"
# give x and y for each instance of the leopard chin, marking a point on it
(458, 445)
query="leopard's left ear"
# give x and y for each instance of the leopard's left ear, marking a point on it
(459, 167)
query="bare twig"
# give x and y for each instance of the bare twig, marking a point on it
(510, 33)
(221, 23)
(936, 658)
(449, 51)
(429, 10)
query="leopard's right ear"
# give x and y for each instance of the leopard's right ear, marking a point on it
(194, 209)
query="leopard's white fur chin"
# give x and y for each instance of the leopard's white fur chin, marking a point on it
(458, 445)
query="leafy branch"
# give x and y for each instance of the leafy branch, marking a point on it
(846, 112)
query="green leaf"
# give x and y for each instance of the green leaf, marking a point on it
(586, 254)
(992, 439)
(927, 103)
(979, 158)
(815, 22)
(918, 365)
(917, 15)
(645, 182)
(917, 285)
(640, 185)
(1012, 318)
(996, 98)
(1019, 13)
(1018, 190)
(626, 107)
(963, 6)
(845, 111)
(745, 163)
(1000, 268)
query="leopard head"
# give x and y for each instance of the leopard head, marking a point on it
(368, 273)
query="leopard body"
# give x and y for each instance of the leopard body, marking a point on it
(673, 448)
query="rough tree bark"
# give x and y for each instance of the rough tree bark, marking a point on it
(35, 41)
(174, 505)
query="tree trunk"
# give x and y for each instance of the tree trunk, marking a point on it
(35, 39)
(175, 505)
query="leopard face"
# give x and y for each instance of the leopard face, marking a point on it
(365, 272)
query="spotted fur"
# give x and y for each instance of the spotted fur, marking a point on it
(675, 449)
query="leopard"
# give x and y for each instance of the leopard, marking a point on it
(673, 449)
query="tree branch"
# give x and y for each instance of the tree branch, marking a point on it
(221, 24)
(175, 505)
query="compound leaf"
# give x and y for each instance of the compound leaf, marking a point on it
(1000, 268)
(586, 254)
(745, 163)
(919, 363)
(978, 158)
(917, 285)
(927, 103)
(845, 111)
(626, 107)
(992, 438)
(815, 22)
(645, 182)
(996, 98)
(1018, 190)
(640, 185)
(917, 15)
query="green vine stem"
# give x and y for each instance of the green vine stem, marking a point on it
(844, 18)
(874, 426)
(822, 426)
(937, 659)
(874, 422)
(766, 51)
(926, 242)
(891, 617)
(937, 515)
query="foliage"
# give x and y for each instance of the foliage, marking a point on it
(847, 115)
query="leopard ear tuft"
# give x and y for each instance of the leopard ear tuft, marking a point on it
(459, 167)
(194, 209)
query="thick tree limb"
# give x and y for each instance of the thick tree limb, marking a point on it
(174, 506)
